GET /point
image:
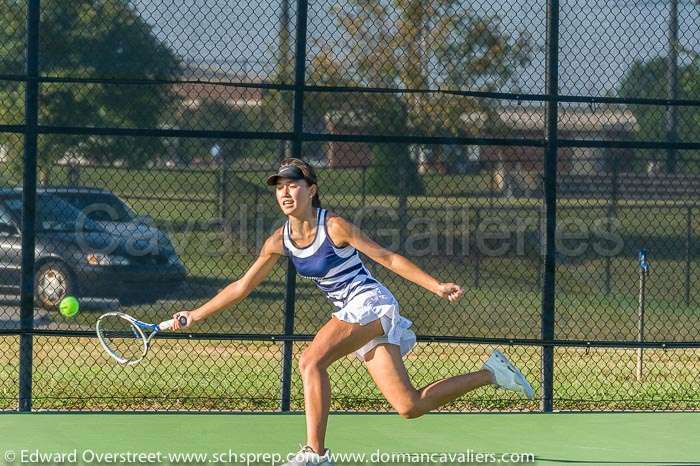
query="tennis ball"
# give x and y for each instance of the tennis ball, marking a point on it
(69, 306)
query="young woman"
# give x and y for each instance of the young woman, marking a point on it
(324, 247)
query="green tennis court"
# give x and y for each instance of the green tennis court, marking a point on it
(599, 438)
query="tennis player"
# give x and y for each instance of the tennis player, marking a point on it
(325, 248)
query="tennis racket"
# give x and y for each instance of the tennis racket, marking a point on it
(126, 339)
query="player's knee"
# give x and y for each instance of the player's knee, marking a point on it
(304, 362)
(309, 362)
(411, 412)
(410, 409)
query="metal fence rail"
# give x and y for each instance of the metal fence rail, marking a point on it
(538, 148)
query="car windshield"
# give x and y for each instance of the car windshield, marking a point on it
(100, 207)
(54, 214)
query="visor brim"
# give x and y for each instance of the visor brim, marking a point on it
(273, 179)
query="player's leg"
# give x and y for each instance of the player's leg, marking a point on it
(333, 341)
(389, 373)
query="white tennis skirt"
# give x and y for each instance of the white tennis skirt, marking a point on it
(374, 304)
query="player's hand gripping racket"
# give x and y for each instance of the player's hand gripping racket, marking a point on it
(127, 339)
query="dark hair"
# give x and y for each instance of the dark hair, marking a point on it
(309, 175)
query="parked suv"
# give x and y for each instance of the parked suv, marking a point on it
(77, 256)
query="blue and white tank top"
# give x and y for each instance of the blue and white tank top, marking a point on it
(338, 272)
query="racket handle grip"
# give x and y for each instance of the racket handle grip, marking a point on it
(168, 324)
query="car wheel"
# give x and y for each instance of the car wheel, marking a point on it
(53, 282)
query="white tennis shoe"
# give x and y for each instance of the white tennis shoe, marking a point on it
(506, 375)
(308, 457)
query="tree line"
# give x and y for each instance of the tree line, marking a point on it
(404, 44)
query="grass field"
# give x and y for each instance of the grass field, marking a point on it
(503, 300)
(234, 375)
(73, 373)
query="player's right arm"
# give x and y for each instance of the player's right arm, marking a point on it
(238, 290)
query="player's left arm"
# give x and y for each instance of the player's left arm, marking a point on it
(343, 232)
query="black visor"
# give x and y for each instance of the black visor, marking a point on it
(290, 172)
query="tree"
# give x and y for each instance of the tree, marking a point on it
(649, 80)
(212, 114)
(414, 44)
(96, 40)
(238, 198)
(393, 172)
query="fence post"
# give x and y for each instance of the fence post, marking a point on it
(31, 97)
(288, 345)
(290, 282)
(364, 185)
(688, 245)
(550, 205)
(403, 206)
(671, 116)
(222, 199)
(477, 249)
(539, 246)
(299, 77)
(612, 214)
(284, 69)
(643, 270)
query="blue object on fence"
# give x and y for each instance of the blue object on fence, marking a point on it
(643, 264)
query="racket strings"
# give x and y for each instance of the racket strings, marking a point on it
(121, 338)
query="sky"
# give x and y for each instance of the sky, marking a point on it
(599, 39)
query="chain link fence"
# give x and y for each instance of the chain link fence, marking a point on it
(135, 137)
